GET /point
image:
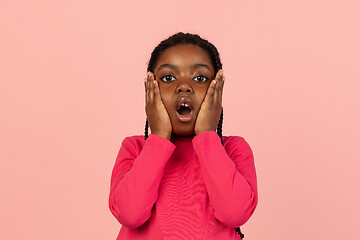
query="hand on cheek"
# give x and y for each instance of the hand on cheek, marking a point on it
(158, 118)
(210, 110)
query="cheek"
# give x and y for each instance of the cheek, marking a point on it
(201, 94)
(166, 99)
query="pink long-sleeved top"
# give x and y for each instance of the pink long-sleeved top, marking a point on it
(183, 188)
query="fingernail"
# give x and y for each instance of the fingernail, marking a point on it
(148, 74)
(154, 82)
(214, 82)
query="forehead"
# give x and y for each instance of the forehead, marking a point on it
(184, 55)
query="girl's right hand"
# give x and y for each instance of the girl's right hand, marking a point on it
(157, 116)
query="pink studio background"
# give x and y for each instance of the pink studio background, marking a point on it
(72, 89)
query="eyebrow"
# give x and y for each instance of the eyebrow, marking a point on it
(196, 65)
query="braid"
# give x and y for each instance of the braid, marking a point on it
(219, 127)
(239, 232)
(214, 55)
(146, 129)
(187, 38)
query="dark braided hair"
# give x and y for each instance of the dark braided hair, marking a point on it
(181, 38)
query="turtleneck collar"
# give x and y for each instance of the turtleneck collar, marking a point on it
(176, 138)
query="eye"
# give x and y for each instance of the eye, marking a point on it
(200, 78)
(167, 78)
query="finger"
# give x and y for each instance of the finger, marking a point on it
(220, 79)
(157, 95)
(209, 97)
(151, 88)
(221, 90)
(221, 87)
(148, 86)
(145, 87)
(218, 85)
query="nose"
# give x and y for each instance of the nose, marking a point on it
(184, 86)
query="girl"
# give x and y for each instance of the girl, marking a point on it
(185, 180)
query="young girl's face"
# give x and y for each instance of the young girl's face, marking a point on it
(184, 73)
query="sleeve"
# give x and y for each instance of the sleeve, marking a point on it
(230, 179)
(136, 177)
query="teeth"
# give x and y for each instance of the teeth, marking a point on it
(185, 105)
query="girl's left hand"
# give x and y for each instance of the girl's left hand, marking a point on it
(210, 110)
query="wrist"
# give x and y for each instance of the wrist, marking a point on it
(162, 134)
(202, 131)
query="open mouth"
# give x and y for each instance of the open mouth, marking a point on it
(184, 109)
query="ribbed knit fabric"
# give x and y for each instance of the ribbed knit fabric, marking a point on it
(183, 188)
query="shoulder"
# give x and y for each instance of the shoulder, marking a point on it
(133, 143)
(135, 139)
(227, 140)
(236, 144)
